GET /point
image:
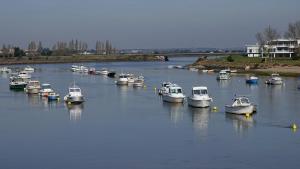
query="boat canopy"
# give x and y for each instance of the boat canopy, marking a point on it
(202, 90)
(75, 89)
(175, 89)
(241, 101)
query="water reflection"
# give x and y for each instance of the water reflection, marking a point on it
(223, 83)
(75, 111)
(175, 111)
(240, 123)
(33, 99)
(200, 118)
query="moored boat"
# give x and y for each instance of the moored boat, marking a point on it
(175, 94)
(103, 71)
(199, 97)
(33, 87)
(29, 69)
(24, 75)
(122, 80)
(275, 79)
(164, 88)
(111, 74)
(74, 96)
(223, 75)
(252, 80)
(53, 96)
(138, 82)
(45, 90)
(17, 83)
(241, 105)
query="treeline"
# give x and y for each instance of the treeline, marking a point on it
(60, 48)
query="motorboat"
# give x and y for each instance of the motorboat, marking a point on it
(139, 82)
(103, 71)
(241, 105)
(29, 69)
(175, 94)
(45, 90)
(122, 80)
(252, 80)
(164, 88)
(111, 74)
(130, 78)
(52, 96)
(17, 83)
(74, 68)
(199, 97)
(79, 69)
(223, 75)
(275, 79)
(33, 87)
(74, 96)
(24, 75)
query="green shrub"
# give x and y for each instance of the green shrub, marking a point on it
(230, 59)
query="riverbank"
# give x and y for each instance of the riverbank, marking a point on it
(259, 66)
(76, 59)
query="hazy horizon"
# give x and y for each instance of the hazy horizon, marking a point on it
(144, 24)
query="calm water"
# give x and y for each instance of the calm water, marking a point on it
(122, 127)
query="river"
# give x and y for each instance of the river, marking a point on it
(123, 127)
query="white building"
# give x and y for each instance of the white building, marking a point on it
(276, 48)
(253, 50)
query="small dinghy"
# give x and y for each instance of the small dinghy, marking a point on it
(111, 74)
(223, 75)
(275, 79)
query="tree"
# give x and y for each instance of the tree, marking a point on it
(18, 52)
(265, 38)
(293, 31)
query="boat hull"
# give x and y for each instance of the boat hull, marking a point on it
(17, 86)
(171, 99)
(199, 103)
(74, 99)
(32, 90)
(251, 81)
(53, 98)
(120, 82)
(239, 109)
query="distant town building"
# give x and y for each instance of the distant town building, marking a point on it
(275, 48)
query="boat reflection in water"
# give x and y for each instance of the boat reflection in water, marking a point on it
(200, 118)
(33, 99)
(224, 83)
(175, 111)
(240, 123)
(75, 111)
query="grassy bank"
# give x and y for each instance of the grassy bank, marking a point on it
(75, 59)
(284, 66)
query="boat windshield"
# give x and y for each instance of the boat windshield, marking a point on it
(74, 90)
(176, 90)
(244, 100)
(200, 92)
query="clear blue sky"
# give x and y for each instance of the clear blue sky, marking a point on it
(144, 23)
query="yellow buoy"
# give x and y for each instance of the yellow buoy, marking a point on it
(69, 102)
(294, 126)
(247, 115)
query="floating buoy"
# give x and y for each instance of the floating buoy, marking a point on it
(155, 88)
(69, 102)
(247, 115)
(215, 109)
(58, 99)
(294, 126)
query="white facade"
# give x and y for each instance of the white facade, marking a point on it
(276, 48)
(253, 51)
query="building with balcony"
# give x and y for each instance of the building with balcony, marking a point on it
(275, 48)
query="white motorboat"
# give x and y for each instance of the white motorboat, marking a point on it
(199, 97)
(223, 75)
(24, 75)
(139, 82)
(122, 80)
(275, 79)
(241, 105)
(29, 69)
(130, 78)
(175, 94)
(74, 96)
(103, 71)
(164, 88)
(74, 68)
(33, 87)
(46, 89)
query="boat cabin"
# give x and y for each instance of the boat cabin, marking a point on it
(239, 101)
(175, 90)
(46, 86)
(33, 83)
(199, 90)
